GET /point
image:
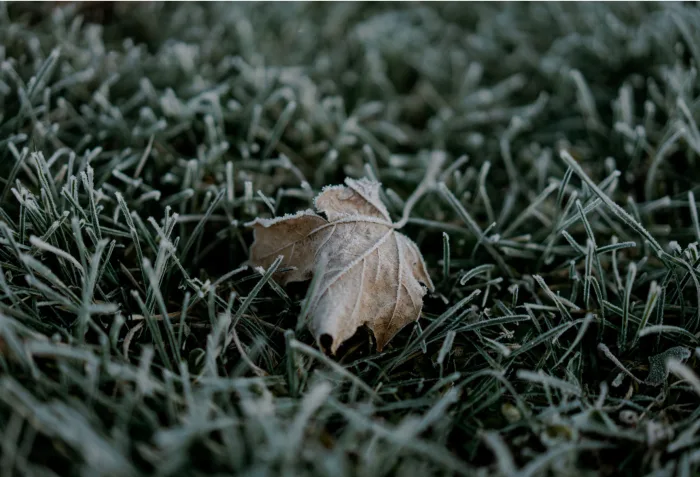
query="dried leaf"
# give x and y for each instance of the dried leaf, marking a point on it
(373, 275)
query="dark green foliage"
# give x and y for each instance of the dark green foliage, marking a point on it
(136, 140)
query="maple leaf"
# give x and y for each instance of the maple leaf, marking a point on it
(372, 274)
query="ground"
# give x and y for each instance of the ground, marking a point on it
(137, 140)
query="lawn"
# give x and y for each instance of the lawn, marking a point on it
(559, 225)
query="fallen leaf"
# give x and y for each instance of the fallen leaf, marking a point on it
(373, 275)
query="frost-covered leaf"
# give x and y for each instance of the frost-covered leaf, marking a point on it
(658, 372)
(373, 275)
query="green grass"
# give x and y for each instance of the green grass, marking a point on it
(136, 140)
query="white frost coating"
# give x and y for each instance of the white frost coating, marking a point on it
(269, 222)
(365, 188)
(326, 189)
(360, 186)
(358, 197)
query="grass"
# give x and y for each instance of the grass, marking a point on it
(136, 140)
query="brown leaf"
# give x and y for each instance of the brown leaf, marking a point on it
(373, 275)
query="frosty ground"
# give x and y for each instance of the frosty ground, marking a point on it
(136, 141)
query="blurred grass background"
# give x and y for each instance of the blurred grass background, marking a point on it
(137, 139)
